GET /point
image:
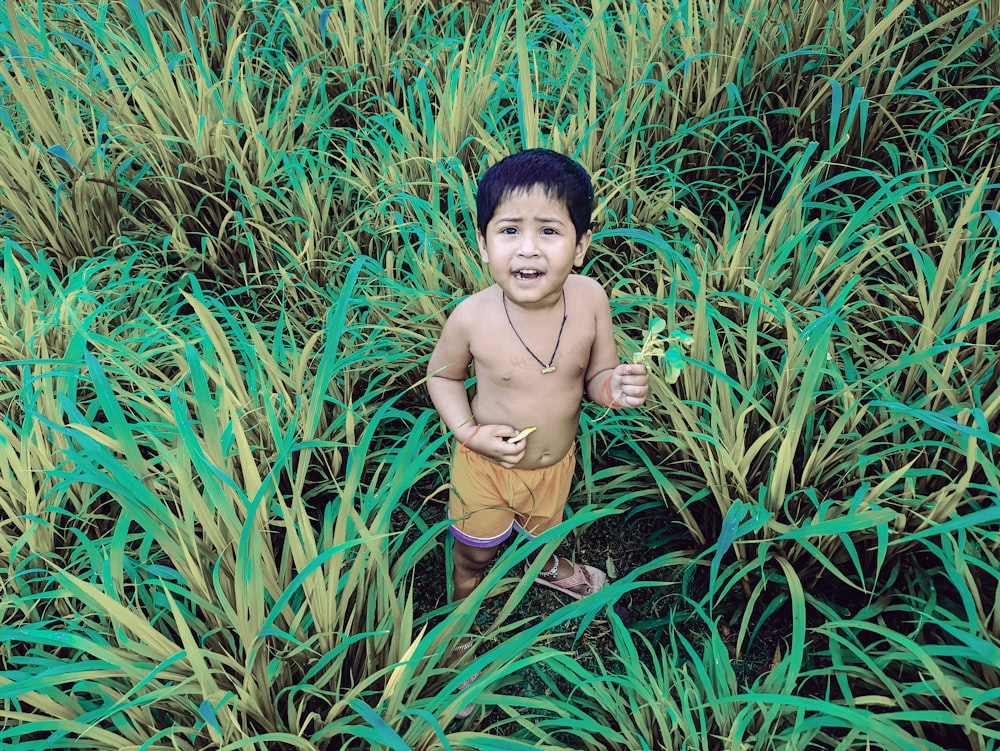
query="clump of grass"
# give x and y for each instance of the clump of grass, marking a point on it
(230, 234)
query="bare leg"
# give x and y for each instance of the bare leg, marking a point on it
(470, 562)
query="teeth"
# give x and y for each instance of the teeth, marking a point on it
(528, 274)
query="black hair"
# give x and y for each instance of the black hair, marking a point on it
(559, 176)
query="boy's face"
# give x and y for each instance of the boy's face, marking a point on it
(530, 245)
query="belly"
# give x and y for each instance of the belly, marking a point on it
(554, 410)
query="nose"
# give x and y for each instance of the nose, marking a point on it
(529, 247)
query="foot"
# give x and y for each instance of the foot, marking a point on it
(573, 579)
(468, 708)
(457, 653)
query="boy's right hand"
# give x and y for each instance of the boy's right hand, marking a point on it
(490, 441)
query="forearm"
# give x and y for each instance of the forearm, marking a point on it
(451, 400)
(622, 386)
(597, 387)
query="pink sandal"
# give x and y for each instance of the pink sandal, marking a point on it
(593, 578)
(468, 708)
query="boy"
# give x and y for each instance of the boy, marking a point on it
(540, 337)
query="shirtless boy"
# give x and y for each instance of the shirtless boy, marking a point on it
(539, 338)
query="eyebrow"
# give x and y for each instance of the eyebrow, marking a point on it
(540, 219)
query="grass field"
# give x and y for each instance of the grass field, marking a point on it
(230, 234)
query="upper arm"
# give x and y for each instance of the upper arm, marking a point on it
(604, 351)
(452, 354)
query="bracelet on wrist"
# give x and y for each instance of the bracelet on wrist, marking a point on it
(469, 438)
(606, 397)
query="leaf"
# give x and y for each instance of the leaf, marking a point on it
(59, 152)
(384, 732)
(207, 712)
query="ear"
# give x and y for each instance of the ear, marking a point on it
(581, 248)
(483, 255)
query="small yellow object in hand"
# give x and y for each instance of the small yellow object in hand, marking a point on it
(522, 435)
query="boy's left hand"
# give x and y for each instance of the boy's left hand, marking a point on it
(629, 384)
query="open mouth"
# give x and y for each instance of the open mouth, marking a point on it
(527, 274)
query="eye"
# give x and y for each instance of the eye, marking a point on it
(507, 230)
(549, 231)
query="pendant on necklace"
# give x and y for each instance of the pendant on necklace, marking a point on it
(550, 368)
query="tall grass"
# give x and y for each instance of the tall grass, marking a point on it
(231, 232)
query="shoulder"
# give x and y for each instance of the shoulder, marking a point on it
(586, 289)
(474, 307)
(464, 325)
(477, 301)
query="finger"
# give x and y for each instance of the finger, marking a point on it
(505, 431)
(511, 450)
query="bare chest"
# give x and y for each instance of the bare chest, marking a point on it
(555, 353)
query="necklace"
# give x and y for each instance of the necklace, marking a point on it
(550, 368)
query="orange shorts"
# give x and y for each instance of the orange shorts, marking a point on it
(486, 500)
